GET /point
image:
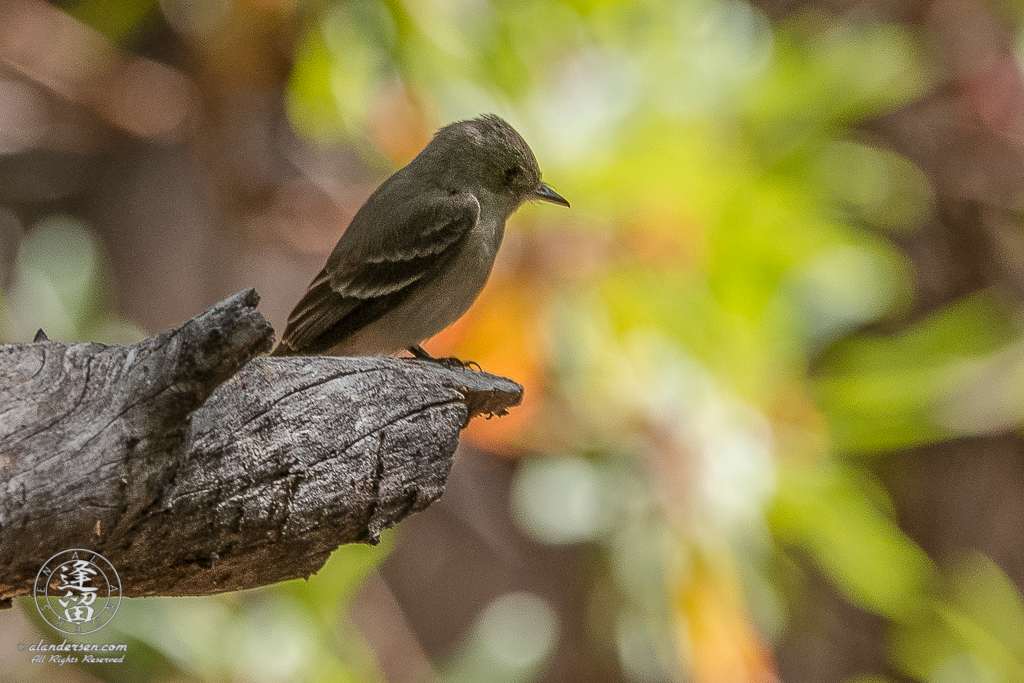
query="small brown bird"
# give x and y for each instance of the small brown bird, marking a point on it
(419, 251)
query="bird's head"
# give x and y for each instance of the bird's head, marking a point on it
(488, 151)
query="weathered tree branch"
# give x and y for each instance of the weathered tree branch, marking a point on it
(197, 466)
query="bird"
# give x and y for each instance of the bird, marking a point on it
(419, 251)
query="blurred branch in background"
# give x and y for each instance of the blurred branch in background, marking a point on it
(73, 62)
(771, 358)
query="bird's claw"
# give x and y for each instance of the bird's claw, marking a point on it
(453, 363)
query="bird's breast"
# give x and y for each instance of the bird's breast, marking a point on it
(460, 284)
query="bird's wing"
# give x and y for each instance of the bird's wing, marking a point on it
(361, 282)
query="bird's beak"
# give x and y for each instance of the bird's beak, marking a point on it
(545, 193)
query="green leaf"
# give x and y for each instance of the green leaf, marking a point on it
(829, 512)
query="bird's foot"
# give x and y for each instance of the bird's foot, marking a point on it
(459, 364)
(451, 363)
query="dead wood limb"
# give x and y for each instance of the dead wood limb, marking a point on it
(196, 465)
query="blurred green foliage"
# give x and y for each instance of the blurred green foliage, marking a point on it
(117, 20)
(60, 284)
(295, 630)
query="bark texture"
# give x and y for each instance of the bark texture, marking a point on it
(197, 466)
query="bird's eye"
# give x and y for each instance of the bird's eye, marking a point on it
(512, 174)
